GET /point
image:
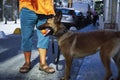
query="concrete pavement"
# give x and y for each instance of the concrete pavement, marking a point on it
(11, 59)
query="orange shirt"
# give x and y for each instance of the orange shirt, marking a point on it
(45, 7)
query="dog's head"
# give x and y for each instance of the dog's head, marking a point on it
(54, 25)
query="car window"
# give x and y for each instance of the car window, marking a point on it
(66, 11)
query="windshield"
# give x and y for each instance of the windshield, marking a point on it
(66, 11)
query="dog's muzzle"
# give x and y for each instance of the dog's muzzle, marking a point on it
(47, 27)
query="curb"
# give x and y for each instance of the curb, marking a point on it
(2, 35)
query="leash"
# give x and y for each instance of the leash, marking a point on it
(53, 52)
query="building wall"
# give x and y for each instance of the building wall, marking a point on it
(118, 14)
(110, 14)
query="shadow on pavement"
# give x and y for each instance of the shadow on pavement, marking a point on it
(9, 47)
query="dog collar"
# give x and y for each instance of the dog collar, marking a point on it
(60, 33)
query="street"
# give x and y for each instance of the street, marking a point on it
(11, 59)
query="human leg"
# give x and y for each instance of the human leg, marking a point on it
(27, 27)
(42, 45)
(27, 65)
(42, 53)
(43, 63)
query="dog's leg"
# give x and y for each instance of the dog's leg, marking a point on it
(105, 57)
(68, 60)
(117, 61)
(68, 68)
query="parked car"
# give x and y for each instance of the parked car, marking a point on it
(68, 16)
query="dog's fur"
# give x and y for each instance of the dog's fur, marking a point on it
(79, 45)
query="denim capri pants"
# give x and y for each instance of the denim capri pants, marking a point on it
(28, 21)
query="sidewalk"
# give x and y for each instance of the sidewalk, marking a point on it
(11, 59)
(9, 27)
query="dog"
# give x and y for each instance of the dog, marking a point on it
(81, 44)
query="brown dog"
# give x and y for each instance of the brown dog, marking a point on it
(79, 45)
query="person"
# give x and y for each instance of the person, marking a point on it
(74, 18)
(80, 21)
(95, 17)
(89, 17)
(29, 11)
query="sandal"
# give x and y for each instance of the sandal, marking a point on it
(46, 68)
(25, 68)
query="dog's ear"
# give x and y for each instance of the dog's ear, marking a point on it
(58, 16)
